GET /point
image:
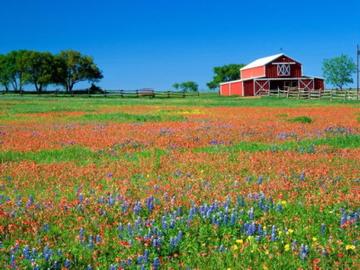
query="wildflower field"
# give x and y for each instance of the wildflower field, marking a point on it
(201, 183)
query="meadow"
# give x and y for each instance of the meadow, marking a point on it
(197, 183)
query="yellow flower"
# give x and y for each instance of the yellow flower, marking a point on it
(234, 247)
(350, 247)
(239, 241)
(287, 247)
(314, 239)
(290, 231)
(266, 252)
(265, 267)
(283, 203)
(280, 232)
(250, 238)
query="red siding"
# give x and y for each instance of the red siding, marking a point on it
(319, 84)
(224, 89)
(253, 72)
(236, 88)
(249, 88)
(295, 69)
(271, 71)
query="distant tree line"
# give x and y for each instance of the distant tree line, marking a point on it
(188, 86)
(21, 67)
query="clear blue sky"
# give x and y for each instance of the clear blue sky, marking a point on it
(154, 43)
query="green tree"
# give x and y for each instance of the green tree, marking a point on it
(224, 74)
(176, 86)
(188, 86)
(17, 62)
(40, 69)
(4, 72)
(338, 70)
(73, 67)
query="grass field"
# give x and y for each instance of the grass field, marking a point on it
(197, 183)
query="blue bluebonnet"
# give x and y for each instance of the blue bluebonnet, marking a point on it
(260, 180)
(304, 251)
(156, 264)
(47, 252)
(137, 208)
(273, 233)
(302, 176)
(12, 261)
(26, 252)
(150, 203)
(67, 264)
(323, 229)
(81, 234)
(98, 239)
(111, 200)
(89, 267)
(90, 241)
(30, 201)
(251, 213)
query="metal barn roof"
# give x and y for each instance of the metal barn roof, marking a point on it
(262, 61)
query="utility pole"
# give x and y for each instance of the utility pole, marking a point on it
(357, 71)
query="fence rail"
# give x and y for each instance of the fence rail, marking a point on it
(140, 93)
(315, 94)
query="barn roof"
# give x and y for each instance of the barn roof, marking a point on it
(262, 61)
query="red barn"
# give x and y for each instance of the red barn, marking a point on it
(273, 72)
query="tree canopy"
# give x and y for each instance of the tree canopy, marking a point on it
(188, 86)
(67, 68)
(75, 67)
(224, 74)
(338, 70)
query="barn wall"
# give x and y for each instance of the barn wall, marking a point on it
(319, 84)
(252, 72)
(249, 88)
(295, 71)
(236, 88)
(224, 89)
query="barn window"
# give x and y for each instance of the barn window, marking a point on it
(283, 69)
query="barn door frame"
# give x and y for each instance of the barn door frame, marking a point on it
(261, 86)
(302, 84)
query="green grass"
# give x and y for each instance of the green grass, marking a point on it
(125, 117)
(338, 142)
(77, 154)
(14, 104)
(301, 119)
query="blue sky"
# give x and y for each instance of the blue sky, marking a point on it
(154, 43)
